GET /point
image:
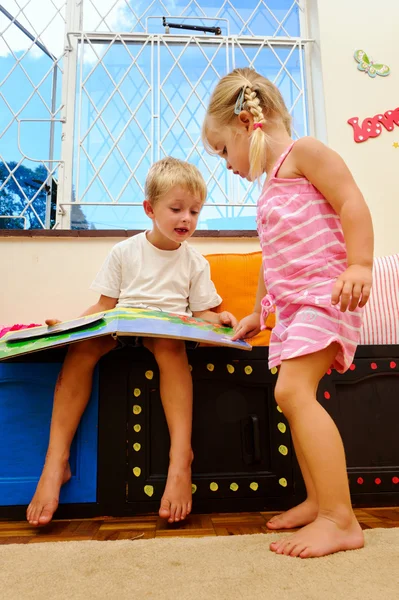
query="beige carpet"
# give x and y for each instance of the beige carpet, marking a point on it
(221, 568)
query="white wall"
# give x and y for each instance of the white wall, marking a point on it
(41, 277)
(46, 277)
(345, 26)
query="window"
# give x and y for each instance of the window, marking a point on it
(81, 127)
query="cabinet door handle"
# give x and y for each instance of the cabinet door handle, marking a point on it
(256, 437)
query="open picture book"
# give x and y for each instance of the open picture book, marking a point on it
(118, 322)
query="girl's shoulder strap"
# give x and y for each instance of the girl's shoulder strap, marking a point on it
(282, 159)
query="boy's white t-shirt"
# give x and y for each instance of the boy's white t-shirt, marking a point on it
(143, 276)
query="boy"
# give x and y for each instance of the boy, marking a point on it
(154, 269)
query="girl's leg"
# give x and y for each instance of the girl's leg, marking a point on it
(335, 527)
(177, 399)
(306, 512)
(72, 393)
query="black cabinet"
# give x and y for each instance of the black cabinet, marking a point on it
(241, 441)
(364, 402)
(243, 453)
(244, 459)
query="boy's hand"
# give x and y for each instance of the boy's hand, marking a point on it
(226, 318)
(248, 327)
(51, 322)
(353, 287)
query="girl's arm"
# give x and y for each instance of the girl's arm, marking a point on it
(327, 171)
(260, 292)
(249, 326)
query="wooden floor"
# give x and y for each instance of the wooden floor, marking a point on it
(105, 528)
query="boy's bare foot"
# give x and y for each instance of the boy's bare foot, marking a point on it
(323, 536)
(177, 498)
(300, 515)
(45, 501)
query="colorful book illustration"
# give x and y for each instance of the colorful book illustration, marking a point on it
(118, 322)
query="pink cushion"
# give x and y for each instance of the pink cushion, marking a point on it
(381, 314)
(17, 327)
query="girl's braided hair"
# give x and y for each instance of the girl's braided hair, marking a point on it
(245, 89)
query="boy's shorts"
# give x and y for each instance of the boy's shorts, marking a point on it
(135, 341)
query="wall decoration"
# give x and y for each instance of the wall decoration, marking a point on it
(149, 490)
(395, 144)
(372, 126)
(370, 67)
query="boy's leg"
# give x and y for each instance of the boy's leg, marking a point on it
(72, 393)
(335, 527)
(177, 399)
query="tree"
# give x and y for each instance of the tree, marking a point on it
(26, 182)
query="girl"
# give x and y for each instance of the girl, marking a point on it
(316, 236)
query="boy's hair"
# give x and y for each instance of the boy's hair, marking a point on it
(170, 172)
(260, 97)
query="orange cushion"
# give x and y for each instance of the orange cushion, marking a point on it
(236, 279)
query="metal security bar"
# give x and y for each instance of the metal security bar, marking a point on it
(28, 97)
(174, 82)
(132, 93)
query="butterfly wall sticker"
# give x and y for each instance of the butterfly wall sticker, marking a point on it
(370, 67)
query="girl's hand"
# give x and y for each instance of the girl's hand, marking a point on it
(353, 287)
(226, 318)
(248, 327)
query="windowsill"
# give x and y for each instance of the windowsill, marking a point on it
(115, 233)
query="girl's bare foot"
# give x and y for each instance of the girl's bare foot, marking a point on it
(45, 501)
(326, 535)
(300, 515)
(176, 501)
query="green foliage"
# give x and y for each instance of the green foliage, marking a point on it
(24, 183)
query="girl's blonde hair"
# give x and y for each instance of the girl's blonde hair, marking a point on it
(260, 97)
(170, 172)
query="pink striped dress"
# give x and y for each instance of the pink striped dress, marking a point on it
(303, 252)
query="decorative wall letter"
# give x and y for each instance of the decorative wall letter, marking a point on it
(372, 126)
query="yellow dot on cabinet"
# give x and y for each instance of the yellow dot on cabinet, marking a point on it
(283, 482)
(137, 447)
(282, 427)
(214, 486)
(137, 471)
(137, 428)
(234, 487)
(210, 367)
(254, 486)
(273, 370)
(279, 409)
(230, 368)
(283, 450)
(193, 488)
(149, 490)
(136, 409)
(149, 374)
(248, 370)
(137, 392)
